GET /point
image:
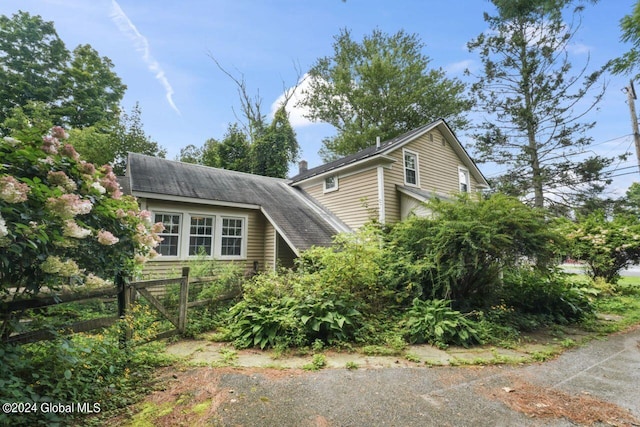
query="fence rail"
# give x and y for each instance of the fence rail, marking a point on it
(126, 292)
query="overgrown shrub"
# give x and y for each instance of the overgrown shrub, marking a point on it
(551, 297)
(458, 253)
(92, 368)
(284, 309)
(435, 322)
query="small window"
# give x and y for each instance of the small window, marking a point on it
(463, 175)
(410, 168)
(331, 183)
(170, 236)
(232, 235)
(201, 235)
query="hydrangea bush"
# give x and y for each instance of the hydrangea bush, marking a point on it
(606, 245)
(64, 223)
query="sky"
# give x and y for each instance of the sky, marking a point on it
(163, 50)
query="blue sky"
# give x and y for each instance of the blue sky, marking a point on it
(161, 49)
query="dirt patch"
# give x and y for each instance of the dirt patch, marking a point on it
(539, 402)
(192, 396)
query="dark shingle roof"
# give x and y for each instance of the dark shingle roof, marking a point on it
(301, 223)
(362, 154)
(392, 144)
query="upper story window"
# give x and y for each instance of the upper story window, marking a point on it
(171, 234)
(201, 235)
(463, 175)
(410, 168)
(330, 183)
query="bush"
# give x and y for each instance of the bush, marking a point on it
(434, 322)
(283, 310)
(64, 223)
(607, 245)
(459, 252)
(82, 368)
(553, 298)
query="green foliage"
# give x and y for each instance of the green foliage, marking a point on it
(63, 223)
(110, 142)
(318, 362)
(267, 326)
(91, 90)
(267, 318)
(78, 88)
(82, 368)
(364, 90)
(529, 94)
(459, 252)
(607, 245)
(549, 297)
(434, 322)
(275, 147)
(630, 28)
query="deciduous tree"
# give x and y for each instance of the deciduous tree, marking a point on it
(380, 87)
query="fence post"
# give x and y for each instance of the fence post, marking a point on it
(184, 300)
(124, 301)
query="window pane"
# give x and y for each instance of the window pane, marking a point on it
(330, 182)
(464, 180)
(231, 244)
(171, 235)
(411, 176)
(201, 235)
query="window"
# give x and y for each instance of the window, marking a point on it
(463, 175)
(232, 235)
(410, 168)
(201, 235)
(330, 183)
(171, 234)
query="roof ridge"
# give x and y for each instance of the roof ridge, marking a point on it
(230, 171)
(364, 153)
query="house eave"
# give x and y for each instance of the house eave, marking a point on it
(192, 200)
(375, 160)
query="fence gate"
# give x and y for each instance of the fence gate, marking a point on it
(145, 289)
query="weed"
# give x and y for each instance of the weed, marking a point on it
(351, 366)
(412, 357)
(318, 362)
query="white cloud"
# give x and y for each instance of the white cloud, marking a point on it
(459, 67)
(578, 48)
(142, 45)
(296, 113)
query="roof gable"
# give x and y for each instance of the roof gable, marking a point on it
(394, 144)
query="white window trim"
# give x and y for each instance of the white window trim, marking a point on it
(180, 233)
(330, 189)
(404, 167)
(214, 220)
(465, 171)
(185, 233)
(218, 238)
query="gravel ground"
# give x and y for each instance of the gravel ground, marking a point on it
(596, 384)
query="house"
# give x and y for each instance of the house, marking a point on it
(262, 222)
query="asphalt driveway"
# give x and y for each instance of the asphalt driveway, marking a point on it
(596, 384)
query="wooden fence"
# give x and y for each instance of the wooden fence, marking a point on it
(126, 292)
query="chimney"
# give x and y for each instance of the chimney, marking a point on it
(377, 142)
(303, 166)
